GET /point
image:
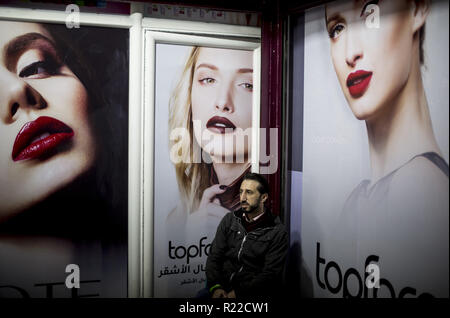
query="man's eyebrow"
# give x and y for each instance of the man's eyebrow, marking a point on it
(14, 48)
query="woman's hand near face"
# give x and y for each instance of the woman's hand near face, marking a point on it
(209, 195)
(209, 208)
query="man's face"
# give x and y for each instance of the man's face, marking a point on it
(249, 196)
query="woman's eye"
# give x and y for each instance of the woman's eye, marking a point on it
(247, 86)
(336, 30)
(39, 69)
(207, 80)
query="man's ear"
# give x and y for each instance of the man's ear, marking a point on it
(421, 10)
(264, 197)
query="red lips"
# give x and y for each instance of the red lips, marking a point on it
(39, 137)
(357, 82)
(220, 125)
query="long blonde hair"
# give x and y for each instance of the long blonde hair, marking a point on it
(192, 177)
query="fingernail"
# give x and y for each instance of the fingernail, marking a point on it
(223, 187)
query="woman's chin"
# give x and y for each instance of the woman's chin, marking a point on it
(229, 158)
(360, 110)
(364, 107)
(38, 183)
(360, 115)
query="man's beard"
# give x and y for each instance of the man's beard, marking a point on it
(251, 208)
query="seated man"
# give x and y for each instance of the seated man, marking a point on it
(248, 252)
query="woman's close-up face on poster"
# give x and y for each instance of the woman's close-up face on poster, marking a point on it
(375, 46)
(221, 99)
(45, 134)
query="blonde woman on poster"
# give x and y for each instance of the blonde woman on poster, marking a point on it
(213, 103)
(209, 133)
(398, 219)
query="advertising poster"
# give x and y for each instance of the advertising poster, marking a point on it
(375, 201)
(203, 119)
(63, 166)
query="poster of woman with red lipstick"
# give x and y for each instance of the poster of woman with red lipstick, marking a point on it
(203, 120)
(375, 219)
(63, 166)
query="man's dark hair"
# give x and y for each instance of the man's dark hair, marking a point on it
(263, 185)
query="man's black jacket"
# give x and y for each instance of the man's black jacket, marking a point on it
(250, 263)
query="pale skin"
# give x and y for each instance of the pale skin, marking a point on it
(399, 128)
(251, 200)
(32, 84)
(394, 106)
(222, 86)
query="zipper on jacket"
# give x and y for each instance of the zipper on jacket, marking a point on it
(240, 249)
(239, 255)
(242, 245)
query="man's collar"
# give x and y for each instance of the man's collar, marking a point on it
(254, 219)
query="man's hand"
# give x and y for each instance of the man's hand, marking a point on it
(219, 293)
(231, 294)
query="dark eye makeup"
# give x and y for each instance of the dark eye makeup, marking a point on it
(338, 26)
(40, 69)
(207, 80)
(247, 86)
(335, 30)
